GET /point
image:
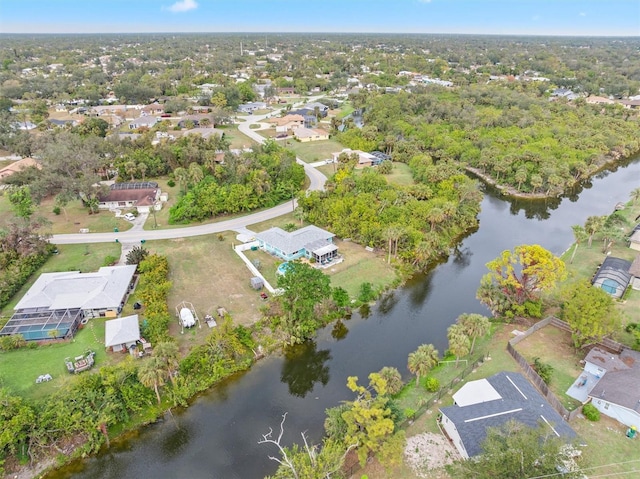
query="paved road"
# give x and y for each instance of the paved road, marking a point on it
(239, 224)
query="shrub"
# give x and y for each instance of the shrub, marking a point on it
(544, 370)
(366, 293)
(110, 260)
(409, 413)
(590, 412)
(171, 183)
(432, 384)
(56, 210)
(632, 327)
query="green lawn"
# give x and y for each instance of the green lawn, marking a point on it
(554, 346)
(400, 175)
(345, 110)
(237, 139)
(20, 368)
(77, 217)
(313, 151)
(72, 257)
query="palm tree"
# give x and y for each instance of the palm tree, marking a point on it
(142, 168)
(195, 173)
(152, 374)
(182, 176)
(474, 325)
(635, 195)
(168, 353)
(579, 234)
(435, 215)
(130, 169)
(422, 360)
(459, 342)
(593, 225)
(393, 234)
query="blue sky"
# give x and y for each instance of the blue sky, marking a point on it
(530, 17)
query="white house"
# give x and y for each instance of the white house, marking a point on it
(142, 196)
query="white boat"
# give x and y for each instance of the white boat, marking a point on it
(186, 318)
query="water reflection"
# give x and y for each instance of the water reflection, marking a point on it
(387, 302)
(304, 366)
(339, 330)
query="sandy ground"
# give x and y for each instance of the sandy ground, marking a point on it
(428, 451)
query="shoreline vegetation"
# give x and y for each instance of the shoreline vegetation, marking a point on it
(511, 192)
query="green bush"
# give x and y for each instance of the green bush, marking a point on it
(432, 384)
(171, 183)
(590, 412)
(110, 260)
(544, 370)
(409, 413)
(366, 293)
(56, 210)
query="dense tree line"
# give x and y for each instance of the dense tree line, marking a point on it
(260, 178)
(514, 135)
(417, 223)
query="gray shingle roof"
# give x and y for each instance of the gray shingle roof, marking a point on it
(309, 237)
(105, 288)
(519, 401)
(621, 386)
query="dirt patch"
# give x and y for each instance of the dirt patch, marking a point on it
(428, 451)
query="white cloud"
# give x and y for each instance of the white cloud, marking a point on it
(424, 1)
(183, 6)
(582, 14)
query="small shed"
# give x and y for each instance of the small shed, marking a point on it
(122, 333)
(257, 283)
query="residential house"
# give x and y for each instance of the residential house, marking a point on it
(143, 122)
(251, 107)
(613, 276)
(634, 271)
(364, 159)
(309, 116)
(310, 134)
(142, 195)
(122, 334)
(492, 402)
(57, 303)
(311, 242)
(612, 383)
(17, 166)
(287, 122)
(322, 108)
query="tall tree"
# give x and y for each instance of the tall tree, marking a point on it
(516, 450)
(182, 177)
(579, 235)
(459, 342)
(422, 360)
(593, 225)
(151, 374)
(590, 312)
(474, 325)
(370, 423)
(522, 274)
(303, 287)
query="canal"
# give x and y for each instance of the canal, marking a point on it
(217, 436)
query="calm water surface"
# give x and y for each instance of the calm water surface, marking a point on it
(217, 437)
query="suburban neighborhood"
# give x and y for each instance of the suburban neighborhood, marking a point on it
(420, 252)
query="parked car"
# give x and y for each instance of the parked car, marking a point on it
(129, 217)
